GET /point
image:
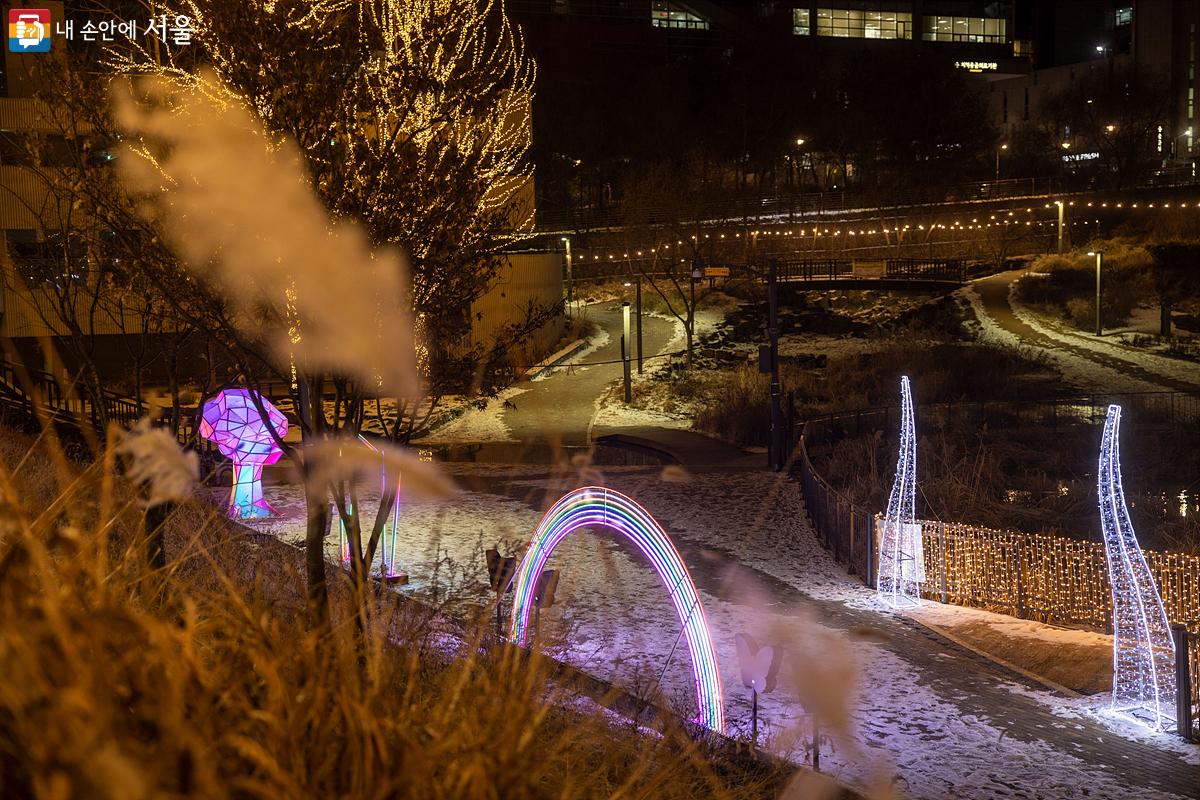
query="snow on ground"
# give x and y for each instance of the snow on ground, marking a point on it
(612, 413)
(1164, 366)
(755, 562)
(1076, 370)
(610, 409)
(478, 424)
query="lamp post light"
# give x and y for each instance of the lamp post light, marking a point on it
(1061, 209)
(998, 150)
(625, 351)
(1099, 266)
(637, 282)
(570, 288)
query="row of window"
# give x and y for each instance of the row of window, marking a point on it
(852, 24)
(897, 25)
(673, 15)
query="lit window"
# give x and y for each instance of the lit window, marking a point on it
(863, 24)
(1123, 16)
(801, 21)
(964, 29)
(674, 15)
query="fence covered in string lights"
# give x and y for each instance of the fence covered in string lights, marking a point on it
(1043, 577)
(599, 507)
(1048, 578)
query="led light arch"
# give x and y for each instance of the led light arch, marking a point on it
(599, 507)
(901, 556)
(1143, 651)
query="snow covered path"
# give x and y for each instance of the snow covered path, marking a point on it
(913, 708)
(1089, 362)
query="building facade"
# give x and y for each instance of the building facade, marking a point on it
(1138, 54)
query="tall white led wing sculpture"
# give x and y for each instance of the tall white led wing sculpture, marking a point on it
(1143, 652)
(901, 558)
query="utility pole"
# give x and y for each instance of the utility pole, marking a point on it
(775, 447)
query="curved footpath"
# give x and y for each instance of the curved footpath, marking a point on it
(1085, 351)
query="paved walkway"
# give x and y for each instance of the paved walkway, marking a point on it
(559, 410)
(947, 703)
(993, 291)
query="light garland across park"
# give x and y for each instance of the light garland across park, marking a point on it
(1006, 219)
(1143, 651)
(599, 507)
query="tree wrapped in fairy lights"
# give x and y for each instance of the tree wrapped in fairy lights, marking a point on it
(234, 422)
(411, 118)
(1143, 651)
(901, 564)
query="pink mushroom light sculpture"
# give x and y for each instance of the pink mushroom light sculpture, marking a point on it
(233, 422)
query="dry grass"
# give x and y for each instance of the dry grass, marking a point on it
(204, 680)
(1009, 479)
(737, 401)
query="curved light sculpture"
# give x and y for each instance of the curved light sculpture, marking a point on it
(901, 557)
(1143, 651)
(598, 507)
(231, 420)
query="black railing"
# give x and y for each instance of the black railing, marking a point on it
(846, 529)
(813, 269)
(915, 269)
(795, 206)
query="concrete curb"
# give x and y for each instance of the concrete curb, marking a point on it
(639, 445)
(1000, 662)
(555, 359)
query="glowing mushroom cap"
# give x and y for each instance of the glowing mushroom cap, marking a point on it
(231, 420)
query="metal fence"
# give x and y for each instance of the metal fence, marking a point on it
(810, 269)
(795, 206)
(948, 269)
(61, 401)
(1141, 409)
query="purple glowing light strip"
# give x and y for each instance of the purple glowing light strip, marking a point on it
(592, 507)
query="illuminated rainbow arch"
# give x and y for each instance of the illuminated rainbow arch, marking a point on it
(596, 506)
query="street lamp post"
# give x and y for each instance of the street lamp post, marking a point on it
(637, 282)
(1099, 266)
(1061, 209)
(776, 446)
(998, 149)
(570, 288)
(625, 351)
